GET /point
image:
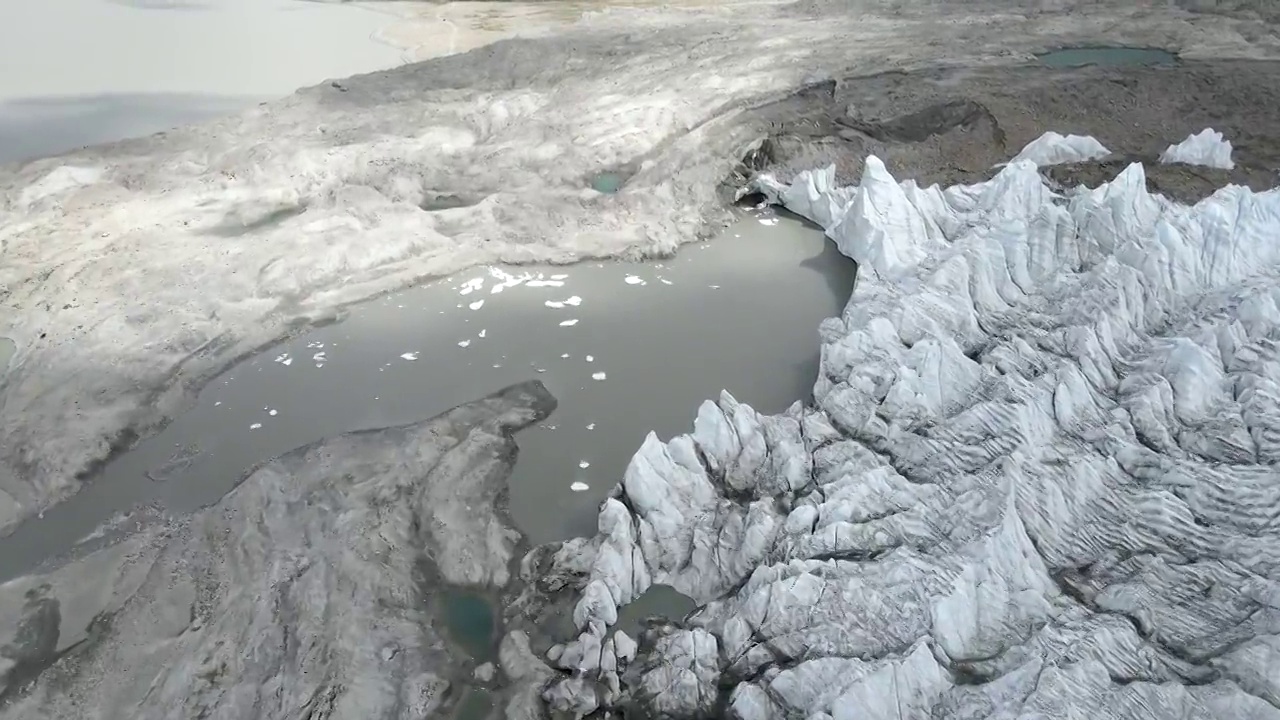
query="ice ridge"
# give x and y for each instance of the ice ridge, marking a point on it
(1038, 479)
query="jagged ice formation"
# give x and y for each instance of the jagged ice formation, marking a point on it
(1206, 148)
(1038, 480)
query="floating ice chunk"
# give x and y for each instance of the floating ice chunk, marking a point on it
(506, 279)
(634, 280)
(1054, 149)
(482, 333)
(598, 376)
(319, 357)
(464, 343)
(572, 301)
(561, 276)
(568, 323)
(255, 426)
(540, 282)
(584, 464)
(591, 426)
(579, 487)
(591, 358)
(476, 305)
(564, 356)
(273, 412)
(768, 221)
(409, 356)
(1207, 148)
(472, 285)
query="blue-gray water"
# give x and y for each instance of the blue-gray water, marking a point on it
(626, 348)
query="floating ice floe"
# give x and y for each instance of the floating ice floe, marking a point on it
(634, 280)
(472, 285)
(598, 376)
(572, 301)
(568, 323)
(409, 356)
(579, 487)
(476, 305)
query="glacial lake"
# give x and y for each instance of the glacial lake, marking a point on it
(626, 347)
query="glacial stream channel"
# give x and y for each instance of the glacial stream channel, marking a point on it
(627, 348)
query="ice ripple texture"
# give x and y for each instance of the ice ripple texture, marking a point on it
(1038, 480)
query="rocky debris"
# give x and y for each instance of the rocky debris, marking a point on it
(302, 593)
(1037, 479)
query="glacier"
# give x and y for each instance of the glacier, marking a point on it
(1037, 479)
(1207, 148)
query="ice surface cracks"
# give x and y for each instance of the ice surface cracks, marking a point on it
(1038, 477)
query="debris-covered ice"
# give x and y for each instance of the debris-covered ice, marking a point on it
(1037, 479)
(301, 593)
(1207, 148)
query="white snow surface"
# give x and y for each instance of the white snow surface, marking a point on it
(1037, 482)
(1207, 148)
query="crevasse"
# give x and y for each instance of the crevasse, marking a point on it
(1038, 479)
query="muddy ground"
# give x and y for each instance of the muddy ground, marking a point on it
(953, 125)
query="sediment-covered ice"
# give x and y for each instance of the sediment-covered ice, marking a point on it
(310, 591)
(1037, 481)
(1206, 147)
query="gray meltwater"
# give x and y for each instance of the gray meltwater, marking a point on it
(1107, 57)
(627, 348)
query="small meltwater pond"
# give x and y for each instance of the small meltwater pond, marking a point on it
(627, 348)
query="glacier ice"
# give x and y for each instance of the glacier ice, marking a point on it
(1037, 479)
(1054, 148)
(1206, 147)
